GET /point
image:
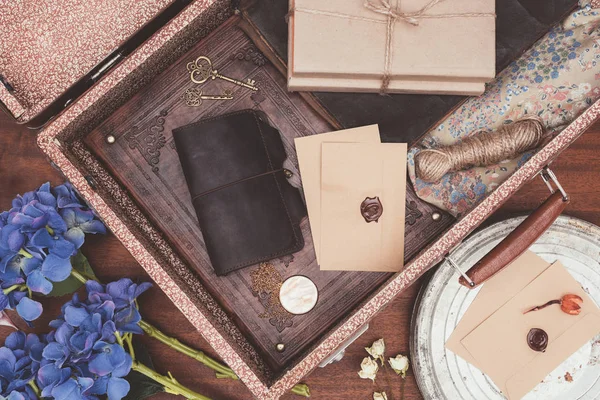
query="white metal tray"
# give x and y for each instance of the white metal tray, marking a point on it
(442, 302)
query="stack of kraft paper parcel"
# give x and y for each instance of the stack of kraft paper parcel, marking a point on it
(391, 46)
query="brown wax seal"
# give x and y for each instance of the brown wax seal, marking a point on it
(537, 339)
(371, 209)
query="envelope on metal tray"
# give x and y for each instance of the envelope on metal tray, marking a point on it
(492, 334)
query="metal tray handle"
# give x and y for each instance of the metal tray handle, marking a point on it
(520, 239)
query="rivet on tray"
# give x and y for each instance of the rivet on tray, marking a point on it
(110, 139)
(280, 347)
(436, 216)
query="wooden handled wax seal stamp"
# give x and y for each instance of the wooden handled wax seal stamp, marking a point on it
(371, 209)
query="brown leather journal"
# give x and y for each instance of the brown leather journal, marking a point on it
(248, 212)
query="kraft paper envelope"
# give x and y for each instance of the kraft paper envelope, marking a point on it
(351, 172)
(499, 344)
(308, 149)
(492, 295)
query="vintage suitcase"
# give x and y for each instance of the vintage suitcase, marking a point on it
(112, 140)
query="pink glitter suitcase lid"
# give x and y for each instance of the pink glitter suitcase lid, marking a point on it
(49, 45)
(52, 141)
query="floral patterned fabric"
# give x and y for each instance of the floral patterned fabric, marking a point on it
(557, 79)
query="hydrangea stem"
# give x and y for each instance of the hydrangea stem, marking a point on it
(14, 287)
(128, 339)
(188, 351)
(25, 253)
(222, 371)
(36, 390)
(170, 384)
(79, 276)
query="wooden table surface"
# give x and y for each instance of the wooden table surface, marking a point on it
(23, 167)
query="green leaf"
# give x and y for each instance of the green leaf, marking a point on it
(80, 264)
(141, 353)
(142, 387)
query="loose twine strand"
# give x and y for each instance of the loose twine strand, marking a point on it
(386, 8)
(482, 149)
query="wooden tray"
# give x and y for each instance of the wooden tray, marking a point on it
(143, 158)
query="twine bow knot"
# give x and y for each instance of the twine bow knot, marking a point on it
(385, 7)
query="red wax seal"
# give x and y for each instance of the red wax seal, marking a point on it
(371, 209)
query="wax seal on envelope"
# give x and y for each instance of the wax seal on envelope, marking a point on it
(371, 209)
(537, 339)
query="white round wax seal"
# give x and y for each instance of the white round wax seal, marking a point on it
(298, 294)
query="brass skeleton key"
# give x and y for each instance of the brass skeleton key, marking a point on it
(201, 70)
(193, 97)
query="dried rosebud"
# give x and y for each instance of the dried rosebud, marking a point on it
(368, 369)
(377, 350)
(571, 304)
(399, 364)
(380, 396)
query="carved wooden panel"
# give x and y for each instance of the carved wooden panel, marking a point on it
(143, 158)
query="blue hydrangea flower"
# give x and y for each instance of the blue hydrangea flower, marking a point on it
(123, 294)
(29, 309)
(38, 236)
(111, 364)
(4, 215)
(14, 271)
(12, 299)
(79, 222)
(64, 383)
(14, 395)
(11, 238)
(85, 340)
(20, 360)
(20, 201)
(74, 389)
(67, 197)
(49, 376)
(54, 244)
(36, 215)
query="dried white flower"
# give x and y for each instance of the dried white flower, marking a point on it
(399, 364)
(368, 369)
(377, 350)
(380, 396)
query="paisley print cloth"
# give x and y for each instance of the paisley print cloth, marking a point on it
(557, 79)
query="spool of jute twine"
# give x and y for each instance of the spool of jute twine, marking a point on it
(481, 149)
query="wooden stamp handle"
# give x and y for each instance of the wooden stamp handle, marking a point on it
(518, 241)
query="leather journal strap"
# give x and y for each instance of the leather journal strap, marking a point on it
(196, 197)
(518, 241)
